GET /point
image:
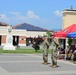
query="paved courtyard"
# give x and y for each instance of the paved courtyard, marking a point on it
(30, 64)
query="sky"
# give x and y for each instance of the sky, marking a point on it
(42, 13)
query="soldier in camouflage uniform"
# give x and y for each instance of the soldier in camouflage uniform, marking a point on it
(53, 47)
(45, 50)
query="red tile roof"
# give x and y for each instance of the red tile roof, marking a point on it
(3, 24)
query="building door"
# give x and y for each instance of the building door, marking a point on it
(0, 39)
(15, 40)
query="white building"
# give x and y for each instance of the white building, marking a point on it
(21, 33)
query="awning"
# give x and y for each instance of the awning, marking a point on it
(65, 31)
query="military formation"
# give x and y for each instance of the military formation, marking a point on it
(54, 46)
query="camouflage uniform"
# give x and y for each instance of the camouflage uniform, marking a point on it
(45, 51)
(54, 46)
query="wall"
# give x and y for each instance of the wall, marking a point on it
(34, 33)
(69, 18)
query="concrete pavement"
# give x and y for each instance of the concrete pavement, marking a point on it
(30, 64)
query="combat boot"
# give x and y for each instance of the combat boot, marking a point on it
(51, 65)
(54, 66)
(45, 63)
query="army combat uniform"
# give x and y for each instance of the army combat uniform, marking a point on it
(45, 51)
(53, 47)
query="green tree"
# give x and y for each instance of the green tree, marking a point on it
(48, 33)
(69, 41)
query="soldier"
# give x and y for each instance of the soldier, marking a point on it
(53, 47)
(45, 50)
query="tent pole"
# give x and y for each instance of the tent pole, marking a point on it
(66, 47)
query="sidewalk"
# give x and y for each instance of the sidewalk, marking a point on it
(30, 64)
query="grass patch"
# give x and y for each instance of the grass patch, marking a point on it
(25, 51)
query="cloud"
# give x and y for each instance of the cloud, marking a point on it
(58, 13)
(19, 17)
(31, 14)
(4, 17)
(16, 16)
(30, 17)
